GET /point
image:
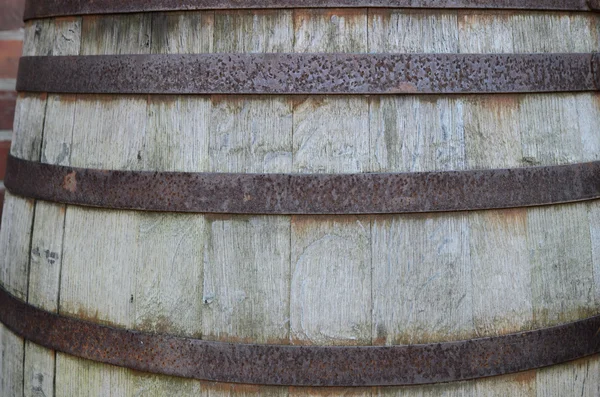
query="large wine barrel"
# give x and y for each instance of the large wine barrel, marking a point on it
(303, 279)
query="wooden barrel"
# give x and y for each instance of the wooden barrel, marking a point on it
(304, 280)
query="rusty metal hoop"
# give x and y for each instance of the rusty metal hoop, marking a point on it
(44, 9)
(302, 365)
(293, 73)
(237, 193)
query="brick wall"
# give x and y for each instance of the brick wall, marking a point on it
(11, 44)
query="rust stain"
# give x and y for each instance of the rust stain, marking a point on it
(596, 99)
(525, 378)
(161, 324)
(237, 389)
(110, 98)
(228, 338)
(329, 391)
(227, 218)
(509, 219)
(70, 182)
(302, 224)
(84, 315)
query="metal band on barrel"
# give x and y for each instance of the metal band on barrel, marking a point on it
(44, 9)
(285, 73)
(374, 193)
(302, 365)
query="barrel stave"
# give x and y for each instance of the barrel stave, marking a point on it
(438, 274)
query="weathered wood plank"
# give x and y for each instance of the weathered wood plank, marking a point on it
(98, 282)
(554, 32)
(332, 256)
(482, 32)
(395, 31)
(420, 263)
(331, 281)
(331, 287)
(559, 240)
(579, 378)
(11, 363)
(46, 241)
(421, 267)
(331, 264)
(588, 113)
(517, 385)
(18, 213)
(182, 32)
(502, 301)
(247, 269)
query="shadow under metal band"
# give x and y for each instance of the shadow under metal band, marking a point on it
(321, 73)
(302, 365)
(44, 9)
(236, 193)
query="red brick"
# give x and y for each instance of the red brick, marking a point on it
(4, 150)
(10, 52)
(11, 17)
(1, 201)
(8, 101)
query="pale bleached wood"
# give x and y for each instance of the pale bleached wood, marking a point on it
(169, 273)
(101, 247)
(15, 235)
(182, 32)
(588, 113)
(579, 378)
(246, 268)
(331, 280)
(554, 32)
(516, 385)
(411, 134)
(395, 31)
(421, 267)
(483, 32)
(212, 389)
(501, 275)
(18, 213)
(447, 149)
(246, 278)
(331, 264)
(11, 363)
(46, 241)
(253, 31)
(559, 240)
(559, 236)
(38, 38)
(501, 270)
(331, 391)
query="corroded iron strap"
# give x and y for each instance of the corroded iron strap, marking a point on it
(302, 365)
(305, 193)
(44, 9)
(309, 73)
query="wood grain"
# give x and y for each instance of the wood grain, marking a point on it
(331, 264)
(305, 280)
(47, 238)
(97, 283)
(421, 263)
(247, 268)
(331, 280)
(18, 213)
